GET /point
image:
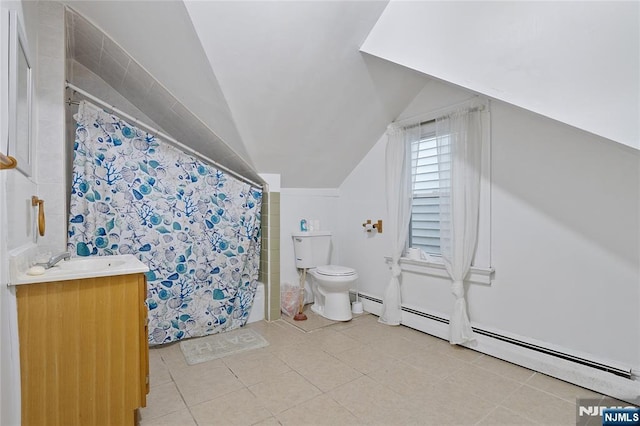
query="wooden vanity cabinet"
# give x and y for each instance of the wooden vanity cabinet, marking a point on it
(84, 353)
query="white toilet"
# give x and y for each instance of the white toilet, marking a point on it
(330, 284)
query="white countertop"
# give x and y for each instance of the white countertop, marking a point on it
(84, 267)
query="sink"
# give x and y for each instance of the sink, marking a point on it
(90, 264)
(76, 268)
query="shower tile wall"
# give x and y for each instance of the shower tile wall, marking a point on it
(49, 143)
(274, 254)
(270, 253)
(95, 50)
(263, 274)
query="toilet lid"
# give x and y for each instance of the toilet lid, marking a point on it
(335, 270)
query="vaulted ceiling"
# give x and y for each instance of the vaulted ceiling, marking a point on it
(307, 103)
(577, 62)
(283, 84)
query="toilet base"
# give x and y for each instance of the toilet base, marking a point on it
(337, 307)
(331, 292)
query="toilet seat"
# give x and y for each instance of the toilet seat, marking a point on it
(335, 271)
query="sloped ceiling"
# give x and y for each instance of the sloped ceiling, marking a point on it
(159, 36)
(577, 62)
(282, 83)
(307, 104)
(285, 89)
(93, 54)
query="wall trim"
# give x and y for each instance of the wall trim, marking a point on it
(477, 275)
(615, 381)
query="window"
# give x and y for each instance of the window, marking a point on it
(429, 174)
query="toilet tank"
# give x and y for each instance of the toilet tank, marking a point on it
(312, 248)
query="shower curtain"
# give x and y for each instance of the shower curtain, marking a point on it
(196, 227)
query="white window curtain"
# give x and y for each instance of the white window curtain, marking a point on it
(459, 137)
(398, 189)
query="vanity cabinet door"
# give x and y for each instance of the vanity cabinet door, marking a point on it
(144, 340)
(83, 355)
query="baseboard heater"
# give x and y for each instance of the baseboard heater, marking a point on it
(593, 364)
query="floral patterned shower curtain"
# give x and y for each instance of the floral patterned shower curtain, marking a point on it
(196, 227)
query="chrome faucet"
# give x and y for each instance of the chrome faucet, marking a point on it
(53, 260)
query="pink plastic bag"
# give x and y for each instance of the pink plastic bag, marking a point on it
(289, 299)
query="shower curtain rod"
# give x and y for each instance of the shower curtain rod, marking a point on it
(157, 132)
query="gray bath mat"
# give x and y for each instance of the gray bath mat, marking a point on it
(219, 345)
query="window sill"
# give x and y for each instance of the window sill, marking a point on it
(436, 269)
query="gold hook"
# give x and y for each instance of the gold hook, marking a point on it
(35, 201)
(7, 162)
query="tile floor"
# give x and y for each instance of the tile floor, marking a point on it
(355, 373)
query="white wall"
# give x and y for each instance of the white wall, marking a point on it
(300, 203)
(44, 27)
(13, 187)
(363, 196)
(565, 239)
(565, 235)
(554, 58)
